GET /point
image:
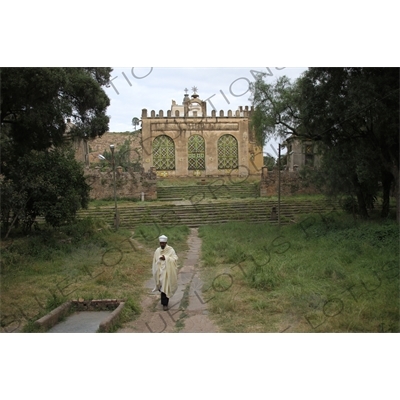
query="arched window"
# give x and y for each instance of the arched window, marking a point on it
(228, 157)
(164, 153)
(196, 153)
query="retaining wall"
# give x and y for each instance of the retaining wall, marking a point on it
(128, 184)
(291, 183)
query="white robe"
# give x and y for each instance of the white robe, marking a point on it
(165, 272)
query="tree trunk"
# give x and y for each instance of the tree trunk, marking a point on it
(14, 221)
(395, 171)
(387, 179)
(362, 204)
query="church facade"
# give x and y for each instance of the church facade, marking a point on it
(187, 142)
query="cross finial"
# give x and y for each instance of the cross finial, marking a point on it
(194, 89)
(186, 90)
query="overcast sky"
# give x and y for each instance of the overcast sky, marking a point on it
(225, 89)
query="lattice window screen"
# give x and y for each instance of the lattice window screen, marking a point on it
(196, 153)
(164, 153)
(228, 157)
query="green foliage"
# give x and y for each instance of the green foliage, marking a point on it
(49, 244)
(263, 278)
(276, 109)
(85, 260)
(349, 204)
(84, 228)
(39, 174)
(36, 103)
(130, 311)
(53, 301)
(352, 113)
(374, 234)
(49, 184)
(269, 162)
(125, 156)
(135, 122)
(347, 171)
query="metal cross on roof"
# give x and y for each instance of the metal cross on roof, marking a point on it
(186, 90)
(194, 89)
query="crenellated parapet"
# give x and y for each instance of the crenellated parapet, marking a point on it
(245, 112)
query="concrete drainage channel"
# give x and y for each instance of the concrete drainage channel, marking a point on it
(82, 316)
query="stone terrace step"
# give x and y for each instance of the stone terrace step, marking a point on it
(216, 190)
(202, 213)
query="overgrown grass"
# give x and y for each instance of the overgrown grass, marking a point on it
(87, 260)
(321, 275)
(149, 234)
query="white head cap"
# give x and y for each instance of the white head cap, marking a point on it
(163, 239)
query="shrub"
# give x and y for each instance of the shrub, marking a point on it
(350, 205)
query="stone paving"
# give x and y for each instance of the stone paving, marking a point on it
(187, 310)
(81, 322)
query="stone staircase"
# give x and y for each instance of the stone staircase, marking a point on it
(206, 212)
(217, 189)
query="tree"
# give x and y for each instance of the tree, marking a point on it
(276, 109)
(357, 108)
(346, 172)
(348, 111)
(39, 175)
(50, 184)
(36, 102)
(135, 122)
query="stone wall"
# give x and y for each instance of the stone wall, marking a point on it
(128, 184)
(101, 144)
(291, 183)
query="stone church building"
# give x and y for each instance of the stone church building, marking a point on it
(186, 141)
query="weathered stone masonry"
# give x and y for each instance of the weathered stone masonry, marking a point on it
(291, 183)
(128, 184)
(225, 143)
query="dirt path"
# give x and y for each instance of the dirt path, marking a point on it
(187, 310)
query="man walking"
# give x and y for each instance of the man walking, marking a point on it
(165, 271)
